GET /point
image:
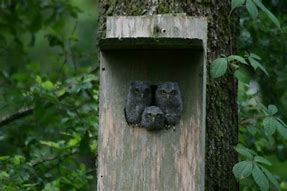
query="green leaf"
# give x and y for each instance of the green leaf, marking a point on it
(38, 79)
(29, 185)
(272, 123)
(252, 9)
(272, 109)
(242, 169)
(243, 151)
(48, 85)
(218, 67)
(263, 69)
(268, 13)
(236, 3)
(2, 158)
(282, 122)
(270, 177)
(262, 160)
(54, 186)
(18, 159)
(269, 124)
(281, 129)
(237, 58)
(255, 64)
(263, 107)
(260, 178)
(74, 141)
(242, 76)
(255, 56)
(252, 129)
(50, 144)
(3, 174)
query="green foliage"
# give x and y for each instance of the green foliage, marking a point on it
(45, 150)
(236, 3)
(253, 166)
(237, 58)
(258, 134)
(243, 169)
(267, 41)
(243, 67)
(218, 67)
(252, 8)
(260, 178)
(262, 128)
(268, 13)
(254, 62)
(46, 59)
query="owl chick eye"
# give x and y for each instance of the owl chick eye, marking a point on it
(149, 115)
(173, 92)
(162, 91)
(137, 91)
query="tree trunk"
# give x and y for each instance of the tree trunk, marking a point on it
(221, 119)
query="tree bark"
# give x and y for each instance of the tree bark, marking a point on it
(222, 118)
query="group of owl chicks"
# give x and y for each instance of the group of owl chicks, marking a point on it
(153, 106)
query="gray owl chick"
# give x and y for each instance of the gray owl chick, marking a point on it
(152, 118)
(168, 98)
(139, 97)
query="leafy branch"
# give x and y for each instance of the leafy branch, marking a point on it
(26, 111)
(253, 165)
(240, 65)
(252, 8)
(243, 67)
(52, 158)
(21, 113)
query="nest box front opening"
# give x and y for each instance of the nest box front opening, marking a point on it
(183, 66)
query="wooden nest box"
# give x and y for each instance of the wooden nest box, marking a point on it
(152, 48)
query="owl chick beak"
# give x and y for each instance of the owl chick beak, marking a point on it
(167, 96)
(142, 95)
(153, 118)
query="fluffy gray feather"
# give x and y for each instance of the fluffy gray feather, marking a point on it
(168, 98)
(152, 118)
(139, 97)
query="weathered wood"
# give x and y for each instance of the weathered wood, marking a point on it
(155, 32)
(136, 159)
(172, 26)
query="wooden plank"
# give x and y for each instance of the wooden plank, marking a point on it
(136, 159)
(169, 26)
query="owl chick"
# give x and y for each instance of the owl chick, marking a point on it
(139, 97)
(152, 118)
(168, 98)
